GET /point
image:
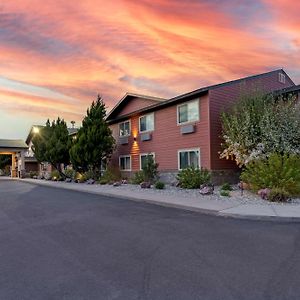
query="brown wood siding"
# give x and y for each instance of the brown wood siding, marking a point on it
(134, 104)
(222, 98)
(166, 139)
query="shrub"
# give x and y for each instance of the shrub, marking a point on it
(103, 181)
(159, 185)
(110, 174)
(278, 195)
(55, 175)
(226, 187)
(225, 193)
(277, 171)
(150, 169)
(70, 173)
(33, 174)
(138, 177)
(192, 178)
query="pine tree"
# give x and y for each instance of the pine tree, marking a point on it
(94, 143)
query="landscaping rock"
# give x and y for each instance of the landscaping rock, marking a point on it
(124, 181)
(117, 183)
(145, 185)
(264, 193)
(90, 181)
(68, 180)
(206, 189)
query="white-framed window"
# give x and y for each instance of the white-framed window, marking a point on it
(125, 128)
(281, 77)
(146, 123)
(125, 162)
(188, 112)
(188, 158)
(143, 159)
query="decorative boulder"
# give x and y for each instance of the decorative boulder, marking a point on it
(117, 183)
(124, 181)
(145, 185)
(206, 189)
(90, 181)
(68, 180)
(264, 193)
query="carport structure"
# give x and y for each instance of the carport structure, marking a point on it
(17, 149)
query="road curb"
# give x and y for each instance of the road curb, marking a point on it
(205, 211)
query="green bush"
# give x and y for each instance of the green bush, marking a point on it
(225, 193)
(277, 171)
(55, 175)
(70, 173)
(278, 195)
(138, 177)
(159, 185)
(192, 178)
(33, 174)
(110, 175)
(226, 187)
(150, 169)
(103, 181)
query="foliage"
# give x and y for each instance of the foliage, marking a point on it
(258, 125)
(111, 174)
(94, 142)
(138, 177)
(150, 169)
(70, 173)
(52, 144)
(55, 175)
(225, 193)
(33, 174)
(192, 178)
(276, 171)
(159, 185)
(5, 160)
(278, 195)
(226, 187)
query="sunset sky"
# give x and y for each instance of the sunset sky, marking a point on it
(55, 56)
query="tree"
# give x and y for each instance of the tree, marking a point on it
(52, 144)
(260, 124)
(94, 143)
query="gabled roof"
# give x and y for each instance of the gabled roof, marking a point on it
(190, 95)
(125, 100)
(13, 144)
(71, 131)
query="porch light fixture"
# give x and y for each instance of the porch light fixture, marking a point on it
(36, 130)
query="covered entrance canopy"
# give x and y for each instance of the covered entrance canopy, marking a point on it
(17, 149)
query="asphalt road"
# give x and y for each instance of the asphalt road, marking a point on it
(58, 244)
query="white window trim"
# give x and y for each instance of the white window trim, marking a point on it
(140, 123)
(188, 122)
(145, 154)
(129, 128)
(281, 78)
(188, 150)
(122, 156)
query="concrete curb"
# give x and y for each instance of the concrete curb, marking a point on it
(212, 212)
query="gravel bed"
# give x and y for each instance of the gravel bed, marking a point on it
(235, 195)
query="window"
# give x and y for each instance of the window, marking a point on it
(124, 128)
(147, 123)
(188, 112)
(143, 159)
(281, 77)
(125, 163)
(188, 158)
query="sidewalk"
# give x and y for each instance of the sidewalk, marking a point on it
(226, 207)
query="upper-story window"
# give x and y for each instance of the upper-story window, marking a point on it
(147, 123)
(124, 128)
(188, 112)
(281, 77)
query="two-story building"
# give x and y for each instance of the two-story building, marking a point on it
(182, 131)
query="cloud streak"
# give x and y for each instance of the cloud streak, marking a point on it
(56, 56)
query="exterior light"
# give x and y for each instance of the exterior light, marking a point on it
(36, 130)
(134, 138)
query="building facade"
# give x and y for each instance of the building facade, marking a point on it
(182, 131)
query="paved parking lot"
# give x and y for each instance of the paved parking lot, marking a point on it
(59, 244)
